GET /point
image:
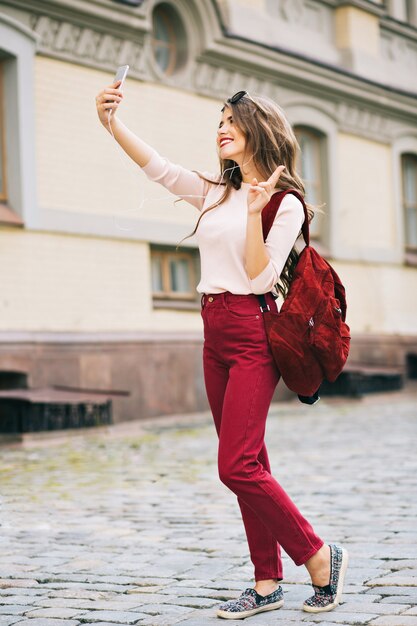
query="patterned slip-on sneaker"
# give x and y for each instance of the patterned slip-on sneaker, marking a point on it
(328, 597)
(251, 602)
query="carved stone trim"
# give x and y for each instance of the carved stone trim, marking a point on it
(83, 44)
(364, 121)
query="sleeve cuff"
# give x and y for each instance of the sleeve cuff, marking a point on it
(263, 282)
(154, 166)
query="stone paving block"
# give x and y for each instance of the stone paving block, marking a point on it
(167, 609)
(18, 591)
(70, 603)
(371, 607)
(8, 620)
(83, 594)
(397, 620)
(395, 579)
(342, 618)
(397, 591)
(195, 602)
(121, 617)
(4, 600)
(16, 582)
(44, 621)
(162, 620)
(411, 600)
(55, 612)
(11, 609)
(412, 610)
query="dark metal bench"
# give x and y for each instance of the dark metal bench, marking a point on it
(54, 408)
(358, 379)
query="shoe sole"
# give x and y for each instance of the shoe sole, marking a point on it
(339, 590)
(242, 614)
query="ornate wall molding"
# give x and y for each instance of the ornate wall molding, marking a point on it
(82, 44)
(364, 122)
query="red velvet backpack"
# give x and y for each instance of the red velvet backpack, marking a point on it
(308, 337)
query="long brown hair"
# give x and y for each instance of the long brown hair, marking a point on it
(270, 142)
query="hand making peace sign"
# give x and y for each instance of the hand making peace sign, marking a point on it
(260, 193)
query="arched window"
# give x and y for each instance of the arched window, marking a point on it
(169, 40)
(409, 199)
(310, 168)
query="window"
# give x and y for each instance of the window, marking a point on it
(169, 43)
(309, 166)
(174, 276)
(409, 199)
(403, 11)
(3, 189)
(410, 11)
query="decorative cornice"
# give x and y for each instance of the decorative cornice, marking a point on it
(84, 45)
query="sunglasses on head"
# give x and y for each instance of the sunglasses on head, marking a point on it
(239, 95)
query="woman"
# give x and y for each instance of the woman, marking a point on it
(257, 150)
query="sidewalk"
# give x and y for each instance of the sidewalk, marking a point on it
(131, 524)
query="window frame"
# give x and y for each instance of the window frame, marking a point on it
(167, 298)
(171, 47)
(319, 138)
(405, 208)
(3, 191)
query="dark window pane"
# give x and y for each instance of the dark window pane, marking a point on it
(156, 266)
(180, 276)
(409, 174)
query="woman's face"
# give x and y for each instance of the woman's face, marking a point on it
(231, 141)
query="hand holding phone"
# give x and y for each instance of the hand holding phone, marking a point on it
(120, 75)
(109, 98)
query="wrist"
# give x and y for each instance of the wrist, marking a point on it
(254, 215)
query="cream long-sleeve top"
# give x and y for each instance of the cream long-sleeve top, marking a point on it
(221, 234)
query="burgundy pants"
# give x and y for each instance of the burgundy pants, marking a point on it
(240, 377)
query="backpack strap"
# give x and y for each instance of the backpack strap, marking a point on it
(270, 210)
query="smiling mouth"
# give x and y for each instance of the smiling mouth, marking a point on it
(224, 142)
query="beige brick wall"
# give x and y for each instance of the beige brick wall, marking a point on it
(380, 298)
(82, 169)
(65, 283)
(367, 218)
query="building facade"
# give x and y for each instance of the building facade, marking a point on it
(93, 291)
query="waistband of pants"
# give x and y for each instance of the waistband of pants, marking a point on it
(228, 295)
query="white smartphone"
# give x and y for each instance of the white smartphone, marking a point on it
(121, 74)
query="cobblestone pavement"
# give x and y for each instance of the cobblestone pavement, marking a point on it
(130, 524)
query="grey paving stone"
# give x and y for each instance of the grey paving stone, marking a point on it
(121, 617)
(397, 591)
(18, 591)
(8, 620)
(342, 618)
(11, 609)
(166, 609)
(397, 620)
(16, 582)
(55, 612)
(45, 621)
(399, 600)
